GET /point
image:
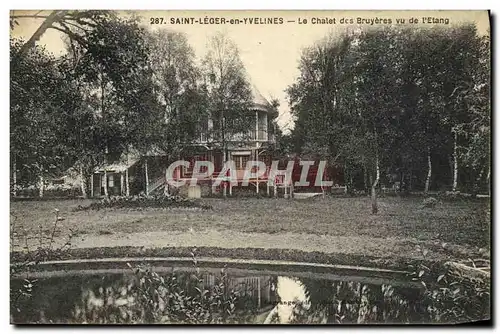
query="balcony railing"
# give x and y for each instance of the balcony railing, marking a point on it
(251, 135)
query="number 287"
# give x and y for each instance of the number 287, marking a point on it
(156, 20)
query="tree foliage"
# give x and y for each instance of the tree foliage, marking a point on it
(227, 88)
(401, 94)
(119, 87)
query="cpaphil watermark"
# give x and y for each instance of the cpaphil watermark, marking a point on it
(203, 170)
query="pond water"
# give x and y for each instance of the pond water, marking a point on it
(209, 295)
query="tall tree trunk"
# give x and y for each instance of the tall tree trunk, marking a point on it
(346, 178)
(375, 184)
(166, 190)
(53, 17)
(83, 183)
(478, 181)
(225, 153)
(14, 178)
(107, 147)
(106, 173)
(127, 184)
(146, 176)
(410, 182)
(488, 179)
(40, 183)
(429, 171)
(105, 176)
(365, 178)
(455, 163)
(122, 184)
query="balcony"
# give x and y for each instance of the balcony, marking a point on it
(250, 136)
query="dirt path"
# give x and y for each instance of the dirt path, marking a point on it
(363, 246)
(335, 226)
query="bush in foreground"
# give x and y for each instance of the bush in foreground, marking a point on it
(143, 202)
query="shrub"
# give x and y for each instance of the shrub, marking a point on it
(143, 201)
(165, 299)
(429, 202)
(451, 296)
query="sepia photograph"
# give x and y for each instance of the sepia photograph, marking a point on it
(250, 167)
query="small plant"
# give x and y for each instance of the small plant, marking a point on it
(450, 297)
(167, 299)
(28, 259)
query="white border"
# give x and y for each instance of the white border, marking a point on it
(186, 4)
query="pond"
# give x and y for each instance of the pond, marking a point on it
(193, 294)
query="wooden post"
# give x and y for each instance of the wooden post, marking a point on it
(105, 172)
(275, 187)
(122, 185)
(166, 190)
(285, 186)
(127, 184)
(258, 293)
(257, 174)
(92, 185)
(105, 183)
(268, 172)
(228, 178)
(83, 185)
(256, 125)
(101, 183)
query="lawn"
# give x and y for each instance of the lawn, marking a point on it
(458, 223)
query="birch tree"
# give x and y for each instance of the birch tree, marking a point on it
(228, 90)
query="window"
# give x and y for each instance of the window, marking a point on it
(111, 181)
(262, 127)
(244, 161)
(241, 161)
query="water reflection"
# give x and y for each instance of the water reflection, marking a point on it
(322, 302)
(116, 298)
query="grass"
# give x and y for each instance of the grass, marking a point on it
(459, 222)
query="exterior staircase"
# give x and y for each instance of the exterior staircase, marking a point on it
(157, 186)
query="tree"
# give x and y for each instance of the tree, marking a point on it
(40, 96)
(228, 91)
(377, 105)
(177, 82)
(114, 65)
(391, 105)
(469, 117)
(64, 21)
(322, 101)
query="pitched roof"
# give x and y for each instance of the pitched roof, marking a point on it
(259, 101)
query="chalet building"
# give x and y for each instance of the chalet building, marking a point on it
(133, 173)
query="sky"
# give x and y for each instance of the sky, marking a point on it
(271, 51)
